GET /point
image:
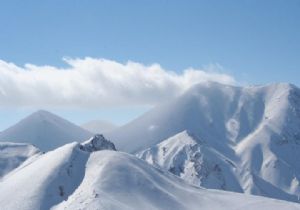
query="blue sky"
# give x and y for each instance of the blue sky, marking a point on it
(254, 41)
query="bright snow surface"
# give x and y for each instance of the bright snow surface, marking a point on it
(71, 178)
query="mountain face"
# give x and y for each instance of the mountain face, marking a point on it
(98, 126)
(72, 178)
(13, 155)
(245, 139)
(44, 130)
(194, 161)
(199, 164)
(217, 113)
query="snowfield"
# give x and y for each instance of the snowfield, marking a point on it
(70, 177)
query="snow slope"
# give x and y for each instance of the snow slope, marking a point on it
(199, 164)
(44, 130)
(99, 126)
(72, 178)
(12, 155)
(252, 133)
(194, 161)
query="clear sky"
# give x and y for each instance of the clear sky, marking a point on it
(254, 41)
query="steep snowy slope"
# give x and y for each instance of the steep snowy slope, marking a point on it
(98, 126)
(201, 165)
(72, 178)
(44, 130)
(194, 161)
(12, 155)
(256, 128)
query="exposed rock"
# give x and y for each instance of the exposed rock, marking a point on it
(97, 143)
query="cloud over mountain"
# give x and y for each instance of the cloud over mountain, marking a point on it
(92, 82)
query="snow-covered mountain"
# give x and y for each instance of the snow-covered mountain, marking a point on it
(245, 139)
(13, 155)
(71, 177)
(99, 126)
(199, 164)
(44, 130)
(220, 114)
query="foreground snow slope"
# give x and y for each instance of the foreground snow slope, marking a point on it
(44, 130)
(12, 155)
(72, 178)
(252, 133)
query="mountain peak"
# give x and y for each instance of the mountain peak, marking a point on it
(43, 112)
(42, 115)
(45, 130)
(96, 143)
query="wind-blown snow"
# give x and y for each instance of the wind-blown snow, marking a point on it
(70, 178)
(251, 133)
(44, 130)
(12, 155)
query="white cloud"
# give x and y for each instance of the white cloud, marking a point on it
(93, 82)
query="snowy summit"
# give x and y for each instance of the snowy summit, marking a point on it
(97, 143)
